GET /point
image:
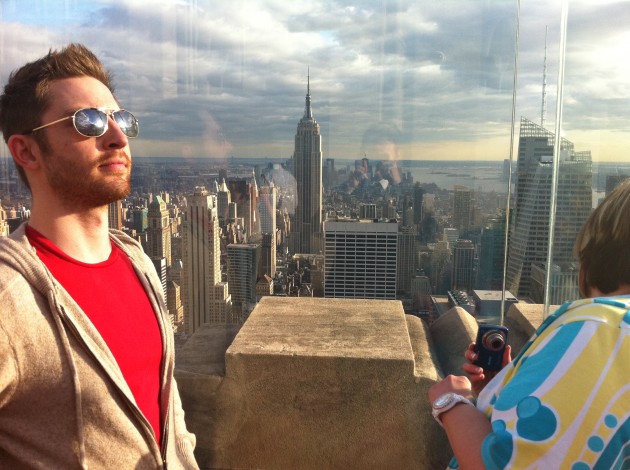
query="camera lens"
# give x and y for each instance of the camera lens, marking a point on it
(493, 340)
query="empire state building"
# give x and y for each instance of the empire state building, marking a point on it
(307, 164)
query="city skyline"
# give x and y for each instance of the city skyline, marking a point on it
(214, 79)
(427, 246)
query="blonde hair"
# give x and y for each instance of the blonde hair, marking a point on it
(603, 244)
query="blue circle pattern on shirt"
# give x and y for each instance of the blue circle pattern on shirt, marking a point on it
(580, 466)
(611, 421)
(497, 448)
(595, 443)
(453, 464)
(536, 422)
(611, 454)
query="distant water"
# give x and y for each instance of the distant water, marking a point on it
(476, 175)
(484, 176)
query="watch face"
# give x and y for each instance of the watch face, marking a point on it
(443, 400)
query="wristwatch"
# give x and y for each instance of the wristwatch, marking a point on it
(445, 402)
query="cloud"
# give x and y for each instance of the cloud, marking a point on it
(235, 73)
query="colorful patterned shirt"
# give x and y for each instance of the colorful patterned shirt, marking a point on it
(564, 401)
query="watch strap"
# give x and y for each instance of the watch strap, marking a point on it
(445, 402)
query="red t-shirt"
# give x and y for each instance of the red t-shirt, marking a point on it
(113, 298)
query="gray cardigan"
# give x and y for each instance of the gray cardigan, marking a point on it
(63, 400)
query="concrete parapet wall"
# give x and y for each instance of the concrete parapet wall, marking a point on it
(522, 320)
(311, 383)
(209, 401)
(451, 334)
(319, 383)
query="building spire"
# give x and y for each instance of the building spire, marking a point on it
(252, 181)
(543, 108)
(308, 112)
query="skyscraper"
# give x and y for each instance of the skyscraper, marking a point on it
(115, 215)
(418, 206)
(223, 203)
(158, 231)
(206, 298)
(462, 208)
(174, 303)
(160, 269)
(244, 192)
(440, 268)
(307, 163)
(529, 234)
(4, 226)
(408, 213)
(174, 294)
(462, 274)
(253, 229)
(491, 254)
(267, 205)
(407, 257)
(360, 259)
(140, 219)
(421, 291)
(330, 176)
(268, 254)
(563, 280)
(243, 267)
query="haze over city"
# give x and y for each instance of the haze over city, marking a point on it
(219, 79)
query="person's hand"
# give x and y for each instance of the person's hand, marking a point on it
(479, 377)
(451, 383)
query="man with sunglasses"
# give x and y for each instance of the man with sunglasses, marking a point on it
(86, 349)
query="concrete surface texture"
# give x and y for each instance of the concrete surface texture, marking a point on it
(450, 335)
(312, 383)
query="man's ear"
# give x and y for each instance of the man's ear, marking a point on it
(25, 151)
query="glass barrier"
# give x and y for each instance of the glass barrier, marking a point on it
(300, 120)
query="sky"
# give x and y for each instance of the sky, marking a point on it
(212, 78)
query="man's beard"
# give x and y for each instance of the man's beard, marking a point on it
(77, 190)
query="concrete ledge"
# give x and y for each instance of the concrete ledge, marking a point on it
(451, 334)
(326, 327)
(208, 400)
(423, 353)
(319, 383)
(204, 352)
(523, 319)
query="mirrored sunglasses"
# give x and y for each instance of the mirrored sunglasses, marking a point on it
(94, 122)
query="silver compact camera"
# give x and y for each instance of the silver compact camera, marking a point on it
(490, 345)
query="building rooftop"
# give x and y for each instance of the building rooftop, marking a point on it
(493, 295)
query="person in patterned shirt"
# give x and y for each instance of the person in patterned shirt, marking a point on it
(564, 401)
